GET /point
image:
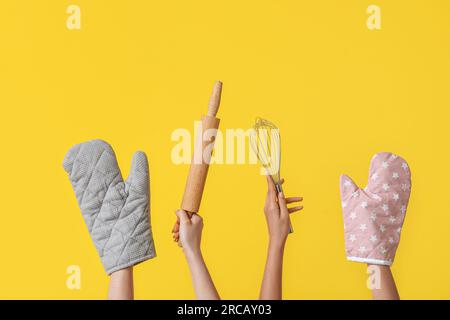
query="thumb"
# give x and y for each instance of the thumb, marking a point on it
(347, 186)
(282, 203)
(183, 216)
(139, 174)
(70, 157)
(271, 189)
(196, 218)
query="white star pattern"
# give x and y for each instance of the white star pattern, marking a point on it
(373, 215)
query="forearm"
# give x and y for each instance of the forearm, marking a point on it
(387, 289)
(203, 285)
(271, 288)
(121, 285)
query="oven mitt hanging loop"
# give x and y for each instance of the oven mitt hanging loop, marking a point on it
(117, 213)
(373, 216)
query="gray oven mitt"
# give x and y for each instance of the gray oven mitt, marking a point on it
(117, 213)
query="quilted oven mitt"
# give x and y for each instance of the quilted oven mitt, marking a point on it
(116, 212)
(373, 216)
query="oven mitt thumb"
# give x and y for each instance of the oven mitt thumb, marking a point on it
(373, 216)
(117, 213)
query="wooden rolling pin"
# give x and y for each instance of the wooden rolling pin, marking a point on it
(198, 171)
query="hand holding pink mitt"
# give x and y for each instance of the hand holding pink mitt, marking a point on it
(373, 216)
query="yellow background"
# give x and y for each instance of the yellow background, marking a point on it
(137, 70)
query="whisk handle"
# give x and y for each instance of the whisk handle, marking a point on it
(280, 189)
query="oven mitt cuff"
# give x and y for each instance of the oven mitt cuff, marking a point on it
(116, 213)
(373, 216)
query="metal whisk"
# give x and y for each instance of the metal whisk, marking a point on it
(266, 143)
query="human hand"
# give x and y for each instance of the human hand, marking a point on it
(277, 212)
(188, 231)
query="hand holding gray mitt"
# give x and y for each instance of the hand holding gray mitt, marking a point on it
(117, 213)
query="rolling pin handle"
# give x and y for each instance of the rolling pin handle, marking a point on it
(214, 101)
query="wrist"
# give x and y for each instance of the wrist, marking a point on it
(277, 243)
(192, 253)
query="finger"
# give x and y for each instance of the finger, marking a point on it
(176, 227)
(196, 218)
(295, 209)
(294, 199)
(281, 181)
(282, 203)
(183, 216)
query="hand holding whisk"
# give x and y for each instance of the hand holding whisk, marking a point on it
(266, 143)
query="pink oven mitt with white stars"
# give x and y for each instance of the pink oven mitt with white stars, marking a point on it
(373, 216)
